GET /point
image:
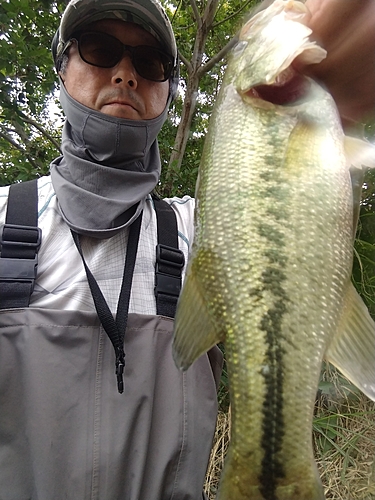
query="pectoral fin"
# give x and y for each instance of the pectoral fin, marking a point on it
(195, 332)
(352, 350)
(359, 153)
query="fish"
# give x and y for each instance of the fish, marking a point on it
(269, 273)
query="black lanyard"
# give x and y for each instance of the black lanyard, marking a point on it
(115, 327)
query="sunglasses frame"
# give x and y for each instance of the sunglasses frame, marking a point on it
(76, 37)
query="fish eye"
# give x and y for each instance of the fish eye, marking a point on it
(239, 48)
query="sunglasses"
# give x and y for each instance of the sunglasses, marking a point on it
(105, 51)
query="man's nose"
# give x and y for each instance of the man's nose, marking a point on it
(124, 72)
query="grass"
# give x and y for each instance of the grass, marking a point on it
(343, 437)
(218, 452)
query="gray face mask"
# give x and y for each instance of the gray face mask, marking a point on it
(108, 167)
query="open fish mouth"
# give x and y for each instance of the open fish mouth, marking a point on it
(290, 87)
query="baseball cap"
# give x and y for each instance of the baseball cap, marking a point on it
(149, 14)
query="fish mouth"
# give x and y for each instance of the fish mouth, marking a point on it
(289, 88)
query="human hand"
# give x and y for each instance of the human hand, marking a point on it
(346, 29)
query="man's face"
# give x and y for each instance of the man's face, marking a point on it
(119, 91)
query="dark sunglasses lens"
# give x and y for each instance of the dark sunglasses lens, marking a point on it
(100, 50)
(105, 51)
(151, 63)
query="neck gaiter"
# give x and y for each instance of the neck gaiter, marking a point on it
(107, 168)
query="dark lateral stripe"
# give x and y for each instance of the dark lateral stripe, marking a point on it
(276, 192)
(273, 421)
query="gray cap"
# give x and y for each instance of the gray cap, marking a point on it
(147, 13)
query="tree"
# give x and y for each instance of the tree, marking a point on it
(204, 31)
(29, 139)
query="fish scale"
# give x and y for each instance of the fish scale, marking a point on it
(264, 215)
(258, 298)
(269, 269)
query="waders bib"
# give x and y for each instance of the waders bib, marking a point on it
(67, 433)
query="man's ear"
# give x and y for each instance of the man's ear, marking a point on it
(61, 75)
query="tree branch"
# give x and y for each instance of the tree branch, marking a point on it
(20, 148)
(186, 62)
(11, 141)
(18, 129)
(217, 57)
(243, 7)
(209, 13)
(176, 11)
(196, 13)
(42, 131)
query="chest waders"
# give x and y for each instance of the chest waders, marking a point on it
(19, 261)
(65, 431)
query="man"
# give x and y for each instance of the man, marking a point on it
(66, 431)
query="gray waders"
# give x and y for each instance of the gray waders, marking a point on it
(65, 430)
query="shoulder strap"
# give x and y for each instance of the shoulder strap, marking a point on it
(19, 245)
(169, 260)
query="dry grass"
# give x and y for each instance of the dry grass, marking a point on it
(346, 465)
(218, 452)
(344, 441)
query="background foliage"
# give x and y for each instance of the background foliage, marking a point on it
(29, 135)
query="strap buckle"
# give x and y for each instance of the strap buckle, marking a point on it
(169, 264)
(20, 269)
(14, 240)
(23, 270)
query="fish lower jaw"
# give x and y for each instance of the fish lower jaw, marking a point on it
(290, 87)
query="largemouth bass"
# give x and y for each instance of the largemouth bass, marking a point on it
(270, 267)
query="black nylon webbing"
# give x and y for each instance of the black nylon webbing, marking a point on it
(20, 241)
(169, 260)
(22, 211)
(22, 206)
(167, 223)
